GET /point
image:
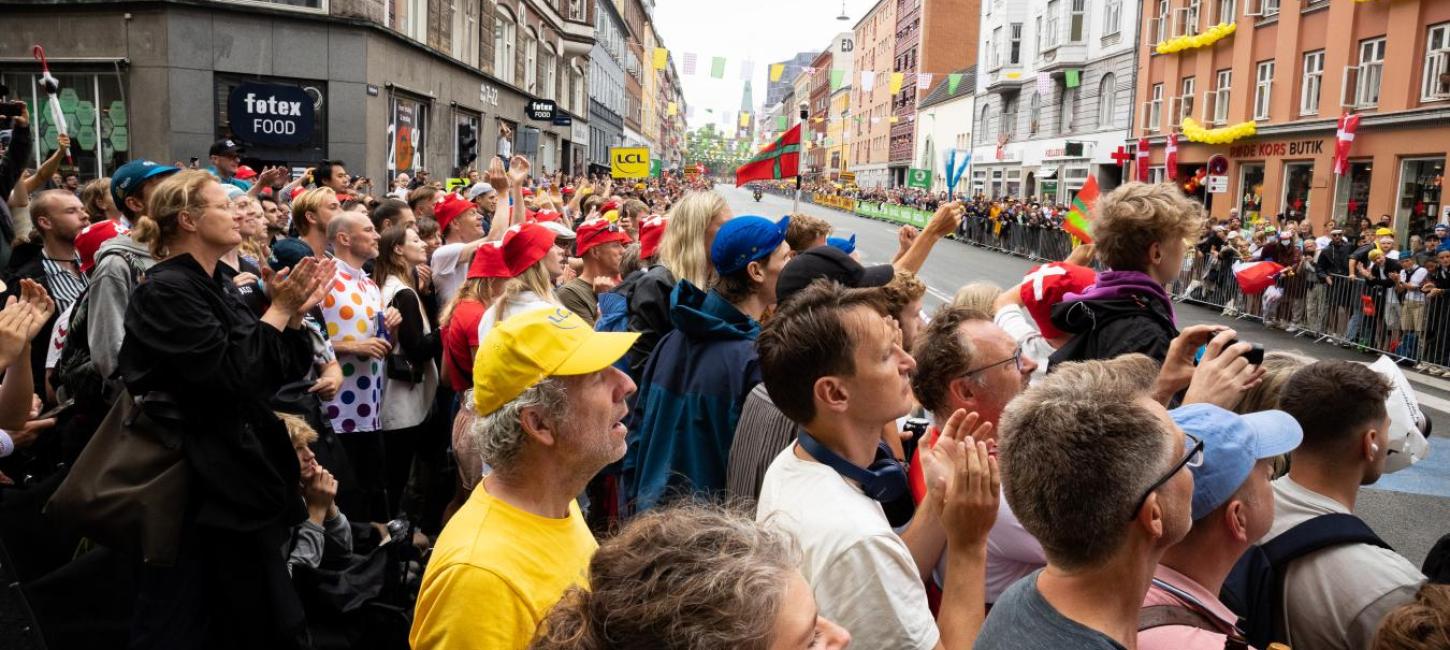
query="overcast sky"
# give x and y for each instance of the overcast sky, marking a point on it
(761, 31)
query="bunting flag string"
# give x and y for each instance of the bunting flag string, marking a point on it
(868, 80)
(953, 80)
(923, 81)
(717, 67)
(690, 63)
(776, 70)
(838, 78)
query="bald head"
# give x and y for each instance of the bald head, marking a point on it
(344, 222)
(58, 215)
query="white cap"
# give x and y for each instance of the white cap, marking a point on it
(479, 189)
(560, 230)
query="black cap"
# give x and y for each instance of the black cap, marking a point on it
(224, 147)
(286, 253)
(828, 262)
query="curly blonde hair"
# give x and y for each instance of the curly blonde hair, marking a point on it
(1132, 217)
(692, 577)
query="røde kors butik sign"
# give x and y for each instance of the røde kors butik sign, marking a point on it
(270, 114)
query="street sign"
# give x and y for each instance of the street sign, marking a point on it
(563, 119)
(629, 162)
(1217, 184)
(920, 178)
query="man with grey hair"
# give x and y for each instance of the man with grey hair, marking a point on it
(1096, 470)
(551, 406)
(358, 327)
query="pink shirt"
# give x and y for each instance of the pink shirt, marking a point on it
(1182, 637)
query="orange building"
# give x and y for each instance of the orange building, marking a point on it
(1293, 68)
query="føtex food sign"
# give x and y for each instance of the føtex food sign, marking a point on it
(271, 114)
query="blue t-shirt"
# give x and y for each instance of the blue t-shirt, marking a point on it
(1022, 619)
(246, 186)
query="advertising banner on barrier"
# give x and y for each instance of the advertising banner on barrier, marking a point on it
(894, 213)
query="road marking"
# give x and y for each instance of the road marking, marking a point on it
(940, 295)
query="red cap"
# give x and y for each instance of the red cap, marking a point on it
(246, 173)
(607, 206)
(568, 190)
(89, 240)
(449, 209)
(545, 215)
(527, 192)
(296, 191)
(488, 262)
(524, 245)
(1046, 285)
(651, 230)
(597, 232)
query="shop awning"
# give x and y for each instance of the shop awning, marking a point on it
(1048, 175)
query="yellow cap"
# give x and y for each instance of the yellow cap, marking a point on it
(1382, 232)
(527, 348)
(611, 216)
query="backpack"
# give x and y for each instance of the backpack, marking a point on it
(1166, 615)
(75, 372)
(1255, 587)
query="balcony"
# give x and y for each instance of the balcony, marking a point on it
(1063, 56)
(578, 37)
(1009, 77)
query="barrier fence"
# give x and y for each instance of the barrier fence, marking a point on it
(1352, 312)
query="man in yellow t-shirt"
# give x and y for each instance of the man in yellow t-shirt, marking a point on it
(550, 407)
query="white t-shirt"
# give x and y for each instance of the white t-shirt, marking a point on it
(524, 302)
(1326, 609)
(450, 269)
(1417, 278)
(1015, 320)
(862, 574)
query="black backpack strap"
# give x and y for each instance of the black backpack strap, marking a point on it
(1324, 531)
(1165, 615)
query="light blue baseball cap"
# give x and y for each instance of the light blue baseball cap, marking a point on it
(1232, 444)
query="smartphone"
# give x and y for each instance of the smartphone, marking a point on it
(57, 410)
(1255, 355)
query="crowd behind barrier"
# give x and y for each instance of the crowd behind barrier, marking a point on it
(1411, 324)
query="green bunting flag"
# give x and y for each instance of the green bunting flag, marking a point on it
(717, 67)
(953, 80)
(780, 122)
(838, 77)
(1074, 78)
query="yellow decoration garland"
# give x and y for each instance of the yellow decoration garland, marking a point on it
(1196, 133)
(1208, 37)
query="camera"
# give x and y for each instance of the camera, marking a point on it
(1255, 354)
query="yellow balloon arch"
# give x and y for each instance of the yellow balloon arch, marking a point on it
(1208, 37)
(1196, 133)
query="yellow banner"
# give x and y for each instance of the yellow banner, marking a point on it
(629, 162)
(776, 70)
(662, 58)
(744, 118)
(895, 85)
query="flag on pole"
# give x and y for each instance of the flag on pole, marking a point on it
(1143, 160)
(747, 68)
(895, 84)
(1171, 156)
(953, 80)
(690, 63)
(868, 80)
(1255, 277)
(776, 70)
(1079, 220)
(923, 81)
(1343, 140)
(779, 159)
(662, 58)
(1073, 78)
(838, 77)
(717, 67)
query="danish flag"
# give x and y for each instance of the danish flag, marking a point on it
(1171, 159)
(1143, 160)
(1343, 139)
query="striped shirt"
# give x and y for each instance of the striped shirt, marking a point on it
(64, 284)
(760, 435)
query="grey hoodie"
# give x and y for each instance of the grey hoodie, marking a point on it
(110, 291)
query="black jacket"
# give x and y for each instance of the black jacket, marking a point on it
(649, 314)
(26, 262)
(17, 156)
(1108, 328)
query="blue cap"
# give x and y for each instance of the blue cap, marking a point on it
(1232, 444)
(131, 176)
(286, 253)
(745, 239)
(847, 246)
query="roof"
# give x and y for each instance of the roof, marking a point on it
(939, 94)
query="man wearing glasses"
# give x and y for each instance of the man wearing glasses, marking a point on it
(1233, 507)
(1097, 471)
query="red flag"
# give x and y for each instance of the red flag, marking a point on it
(1255, 277)
(1079, 219)
(1171, 156)
(779, 159)
(1343, 139)
(1143, 160)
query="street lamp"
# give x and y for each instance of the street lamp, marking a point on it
(843, 16)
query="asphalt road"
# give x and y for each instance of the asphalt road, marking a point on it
(1409, 509)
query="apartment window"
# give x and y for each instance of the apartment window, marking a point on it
(1160, 22)
(994, 48)
(1263, 87)
(465, 37)
(576, 9)
(1155, 108)
(1313, 79)
(548, 66)
(1077, 21)
(1371, 71)
(1067, 110)
(1227, 10)
(1054, 18)
(1107, 99)
(1034, 112)
(1266, 8)
(1220, 96)
(505, 35)
(1037, 36)
(1112, 17)
(531, 61)
(1015, 49)
(985, 128)
(1185, 98)
(1191, 17)
(1436, 84)
(1009, 117)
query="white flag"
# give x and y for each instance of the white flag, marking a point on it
(868, 80)
(923, 81)
(1044, 84)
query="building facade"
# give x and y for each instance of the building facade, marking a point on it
(777, 89)
(871, 98)
(607, 98)
(394, 86)
(837, 146)
(932, 39)
(819, 99)
(944, 122)
(1293, 69)
(1037, 134)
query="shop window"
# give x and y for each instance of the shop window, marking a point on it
(1351, 193)
(1421, 181)
(1436, 84)
(95, 118)
(407, 135)
(1251, 191)
(1298, 178)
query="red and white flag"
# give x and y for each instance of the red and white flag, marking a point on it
(1343, 139)
(1143, 160)
(1255, 277)
(1171, 156)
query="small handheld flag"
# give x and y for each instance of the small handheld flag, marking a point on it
(1079, 220)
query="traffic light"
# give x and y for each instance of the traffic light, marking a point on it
(467, 146)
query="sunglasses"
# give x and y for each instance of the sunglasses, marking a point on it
(1193, 458)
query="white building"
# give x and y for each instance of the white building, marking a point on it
(944, 122)
(1035, 136)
